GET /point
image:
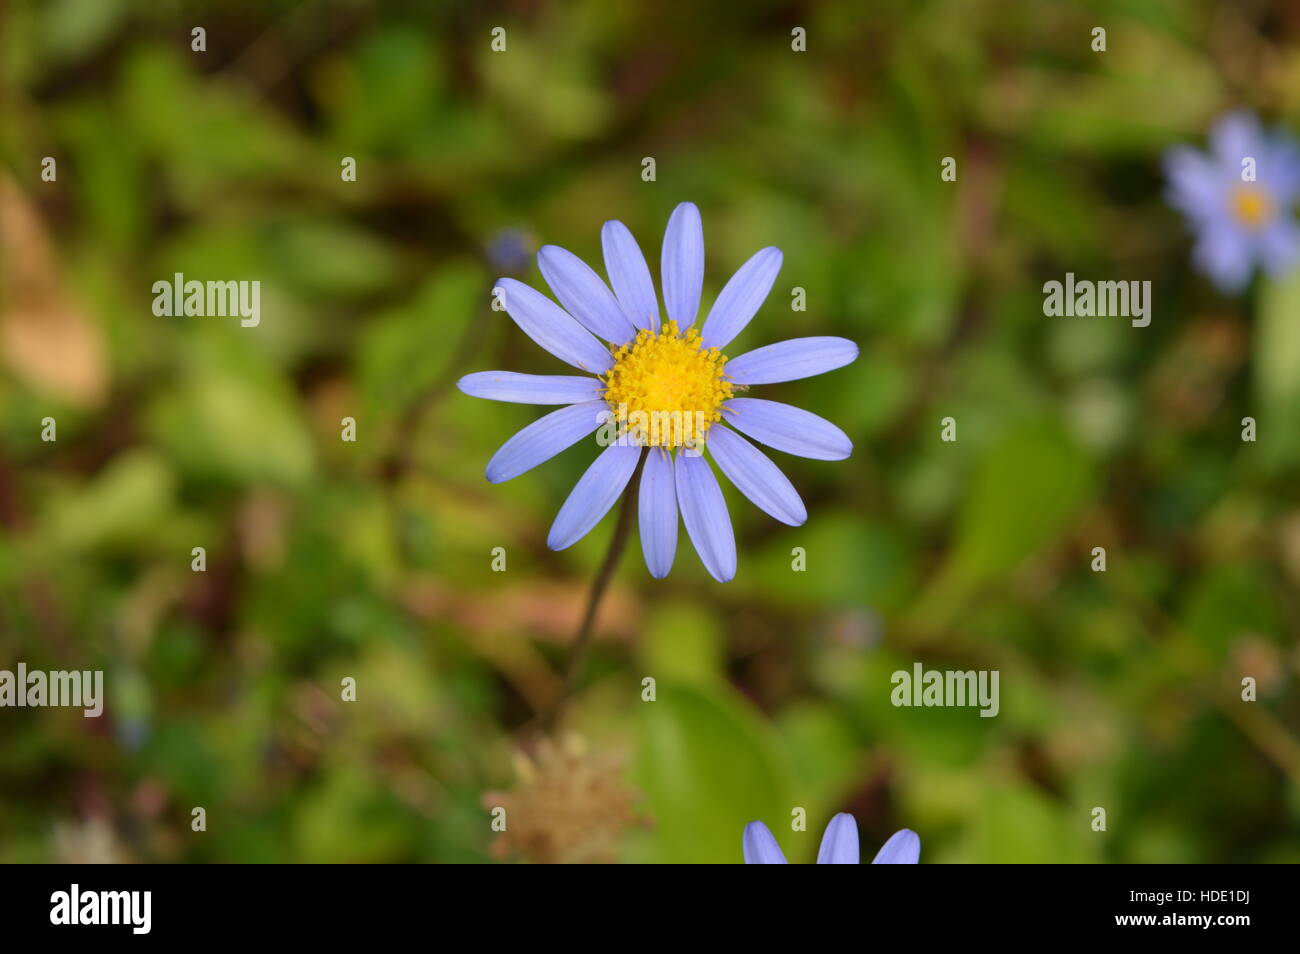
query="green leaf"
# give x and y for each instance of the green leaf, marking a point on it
(1227, 602)
(352, 815)
(331, 258)
(709, 767)
(1015, 823)
(233, 428)
(682, 641)
(134, 493)
(403, 352)
(1025, 489)
(849, 562)
(826, 756)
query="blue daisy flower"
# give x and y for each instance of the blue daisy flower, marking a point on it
(662, 391)
(839, 845)
(1240, 221)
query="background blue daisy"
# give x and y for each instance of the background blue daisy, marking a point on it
(1239, 199)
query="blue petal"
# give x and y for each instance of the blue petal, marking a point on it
(1279, 244)
(903, 848)
(791, 360)
(755, 476)
(1279, 170)
(583, 294)
(554, 328)
(789, 429)
(657, 513)
(593, 495)
(682, 268)
(530, 388)
(1235, 136)
(544, 438)
(741, 298)
(630, 275)
(1197, 184)
(1223, 252)
(705, 514)
(840, 843)
(760, 847)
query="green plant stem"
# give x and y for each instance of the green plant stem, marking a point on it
(582, 641)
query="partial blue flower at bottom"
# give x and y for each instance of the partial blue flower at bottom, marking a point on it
(839, 845)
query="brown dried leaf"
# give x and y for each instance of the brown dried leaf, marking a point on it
(46, 338)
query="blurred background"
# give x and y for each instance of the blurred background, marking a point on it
(373, 560)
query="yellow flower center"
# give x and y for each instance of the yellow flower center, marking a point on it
(666, 389)
(1251, 206)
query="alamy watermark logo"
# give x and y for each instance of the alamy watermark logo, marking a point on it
(82, 689)
(947, 687)
(134, 908)
(216, 299)
(1088, 299)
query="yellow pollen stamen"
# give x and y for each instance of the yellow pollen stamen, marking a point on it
(666, 389)
(1251, 206)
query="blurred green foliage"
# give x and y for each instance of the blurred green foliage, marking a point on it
(373, 559)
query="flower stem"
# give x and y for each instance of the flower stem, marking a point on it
(582, 641)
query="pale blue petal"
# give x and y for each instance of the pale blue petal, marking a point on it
(1278, 246)
(903, 848)
(657, 513)
(553, 328)
(705, 514)
(530, 388)
(791, 360)
(584, 295)
(788, 429)
(593, 495)
(682, 267)
(756, 476)
(1279, 170)
(544, 438)
(760, 847)
(1235, 136)
(1224, 253)
(840, 842)
(630, 275)
(1197, 184)
(741, 298)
